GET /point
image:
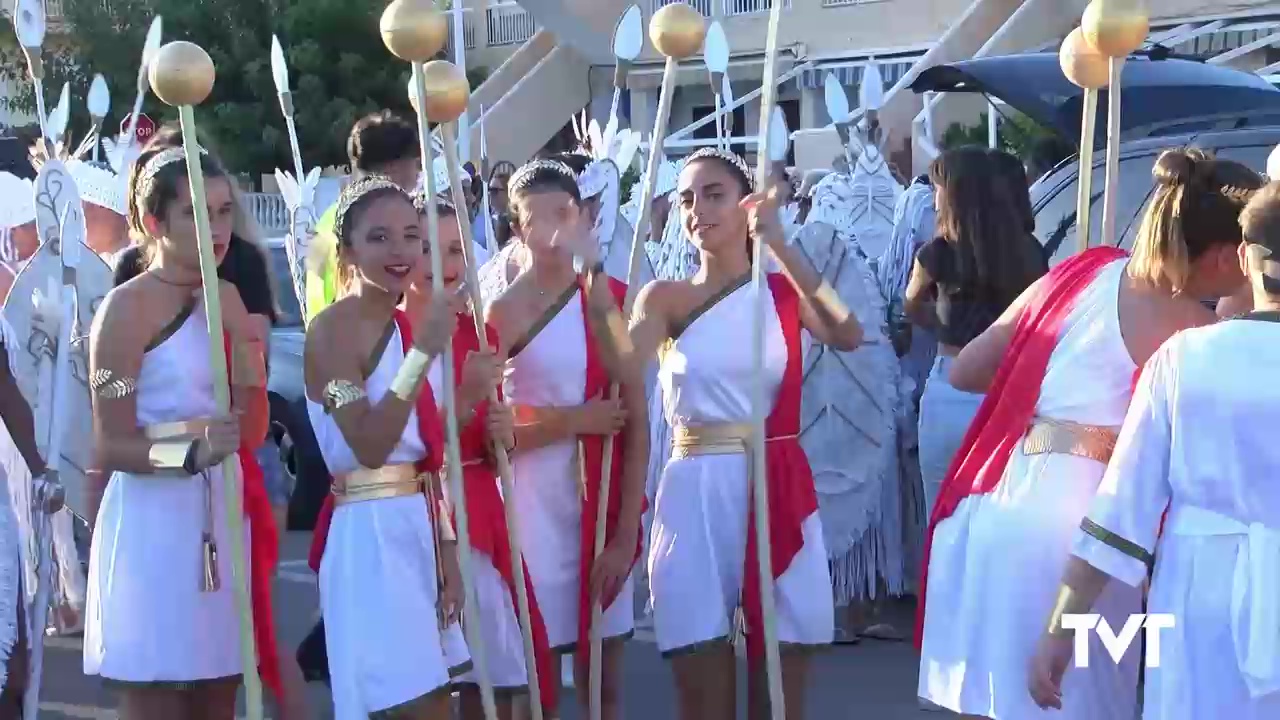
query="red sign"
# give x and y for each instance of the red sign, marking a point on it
(145, 129)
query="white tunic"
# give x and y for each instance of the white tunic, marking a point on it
(551, 372)
(698, 542)
(378, 583)
(146, 618)
(997, 562)
(1200, 439)
(494, 614)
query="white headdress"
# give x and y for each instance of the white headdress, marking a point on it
(19, 201)
(99, 184)
(611, 151)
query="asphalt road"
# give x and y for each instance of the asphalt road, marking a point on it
(874, 680)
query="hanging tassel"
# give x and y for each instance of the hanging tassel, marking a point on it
(212, 582)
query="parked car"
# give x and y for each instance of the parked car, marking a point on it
(1167, 103)
(308, 477)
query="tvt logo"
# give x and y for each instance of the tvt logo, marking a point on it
(1116, 645)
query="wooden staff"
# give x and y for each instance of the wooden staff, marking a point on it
(1087, 69)
(760, 399)
(415, 30)
(676, 31)
(458, 94)
(182, 76)
(1114, 28)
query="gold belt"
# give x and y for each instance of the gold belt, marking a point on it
(176, 430)
(388, 481)
(1068, 438)
(714, 439)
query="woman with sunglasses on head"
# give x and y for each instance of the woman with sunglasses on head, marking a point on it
(702, 561)
(389, 583)
(162, 621)
(560, 331)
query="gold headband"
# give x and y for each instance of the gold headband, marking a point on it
(354, 192)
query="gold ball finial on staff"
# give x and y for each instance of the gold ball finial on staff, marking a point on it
(182, 73)
(677, 30)
(1116, 28)
(1084, 66)
(414, 30)
(448, 91)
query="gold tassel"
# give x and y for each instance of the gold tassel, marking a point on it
(212, 582)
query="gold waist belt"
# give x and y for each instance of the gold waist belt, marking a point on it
(176, 430)
(716, 439)
(388, 481)
(1068, 438)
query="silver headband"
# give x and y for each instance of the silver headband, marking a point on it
(522, 177)
(725, 156)
(354, 192)
(147, 175)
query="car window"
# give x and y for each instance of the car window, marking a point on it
(1056, 212)
(290, 312)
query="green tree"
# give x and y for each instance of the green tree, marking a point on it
(1018, 134)
(339, 69)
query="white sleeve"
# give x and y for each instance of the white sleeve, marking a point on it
(1119, 534)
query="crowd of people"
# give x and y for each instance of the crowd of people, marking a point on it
(1057, 449)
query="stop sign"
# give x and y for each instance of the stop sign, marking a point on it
(145, 129)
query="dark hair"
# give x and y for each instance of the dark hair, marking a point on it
(443, 209)
(1195, 208)
(996, 258)
(743, 180)
(505, 167)
(154, 196)
(1014, 173)
(540, 176)
(351, 217)
(576, 161)
(380, 138)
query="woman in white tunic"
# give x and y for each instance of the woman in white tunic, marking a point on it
(366, 366)
(162, 625)
(1199, 442)
(557, 327)
(701, 561)
(1058, 368)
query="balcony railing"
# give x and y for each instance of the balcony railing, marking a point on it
(727, 8)
(271, 212)
(508, 24)
(53, 9)
(844, 3)
(468, 31)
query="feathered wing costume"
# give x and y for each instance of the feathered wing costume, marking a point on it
(850, 411)
(17, 208)
(612, 152)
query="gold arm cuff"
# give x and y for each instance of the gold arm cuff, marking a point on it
(170, 454)
(248, 365)
(341, 393)
(408, 380)
(1067, 603)
(828, 298)
(109, 386)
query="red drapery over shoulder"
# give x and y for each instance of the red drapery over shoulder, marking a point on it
(264, 552)
(592, 449)
(788, 476)
(1010, 402)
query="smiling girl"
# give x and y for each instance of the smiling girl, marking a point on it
(377, 426)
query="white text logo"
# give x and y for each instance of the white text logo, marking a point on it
(1116, 645)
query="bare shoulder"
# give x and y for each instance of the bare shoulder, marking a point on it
(325, 328)
(503, 311)
(659, 297)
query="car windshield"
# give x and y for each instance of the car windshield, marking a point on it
(290, 312)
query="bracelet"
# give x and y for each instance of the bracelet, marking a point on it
(829, 299)
(1066, 604)
(408, 380)
(172, 454)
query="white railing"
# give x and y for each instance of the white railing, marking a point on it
(52, 9)
(749, 7)
(508, 24)
(843, 3)
(270, 210)
(468, 31)
(703, 6)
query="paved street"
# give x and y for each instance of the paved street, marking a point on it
(873, 680)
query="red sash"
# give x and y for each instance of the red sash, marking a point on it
(1010, 402)
(485, 509)
(592, 448)
(788, 477)
(264, 552)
